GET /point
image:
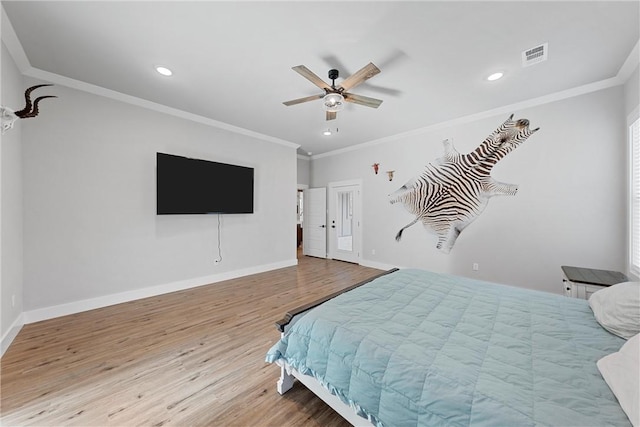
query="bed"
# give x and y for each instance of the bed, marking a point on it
(418, 348)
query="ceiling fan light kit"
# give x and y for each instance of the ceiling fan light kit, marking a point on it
(334, 97)
(333, 102)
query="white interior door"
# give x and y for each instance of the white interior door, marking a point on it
(314, 234)
(344, 218)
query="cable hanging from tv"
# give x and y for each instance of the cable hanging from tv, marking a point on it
(218, 260)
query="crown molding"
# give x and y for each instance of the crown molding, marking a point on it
(15, 49)
(108, 93)
(625, 71)
(507, 109)
(10, 39)
(630, 64)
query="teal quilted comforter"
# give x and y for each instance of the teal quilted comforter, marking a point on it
(416, 348)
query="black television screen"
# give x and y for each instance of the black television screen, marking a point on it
(194, 186)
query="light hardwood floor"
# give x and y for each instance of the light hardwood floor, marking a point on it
(189, 358)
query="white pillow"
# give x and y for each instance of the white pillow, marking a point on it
(617, 308)
(621, 371)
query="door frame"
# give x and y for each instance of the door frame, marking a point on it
(357, 218)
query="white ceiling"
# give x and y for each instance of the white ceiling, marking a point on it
(232, 60)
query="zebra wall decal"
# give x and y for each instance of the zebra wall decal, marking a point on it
(454, 189)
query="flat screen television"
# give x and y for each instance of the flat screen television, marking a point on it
(194, 186)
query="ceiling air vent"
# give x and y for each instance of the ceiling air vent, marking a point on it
(535, 55)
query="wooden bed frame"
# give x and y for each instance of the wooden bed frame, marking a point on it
(289, 374)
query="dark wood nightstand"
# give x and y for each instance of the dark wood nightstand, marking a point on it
(580, 282)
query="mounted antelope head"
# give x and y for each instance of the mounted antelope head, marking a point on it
(30, 109)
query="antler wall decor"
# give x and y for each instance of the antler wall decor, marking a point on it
(30, 109)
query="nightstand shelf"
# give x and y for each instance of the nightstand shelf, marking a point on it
(580, 282)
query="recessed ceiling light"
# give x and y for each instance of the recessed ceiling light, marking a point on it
(164, 70)
(495, 76)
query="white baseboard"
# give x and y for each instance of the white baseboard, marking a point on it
(378, 265)
(11, 333)
(107, 300)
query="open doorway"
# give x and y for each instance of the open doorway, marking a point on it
(300, 218)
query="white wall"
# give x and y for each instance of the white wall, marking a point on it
(632, 92)
(90, 227)
(569, 210)
(11, 258)
(632, 112)
(304, 171)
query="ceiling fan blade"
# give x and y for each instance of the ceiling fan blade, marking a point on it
(362, 100)
(331, 115)
(311, 76)
(359, 76)
(301, 100)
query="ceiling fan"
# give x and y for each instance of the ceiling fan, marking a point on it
(334, 97)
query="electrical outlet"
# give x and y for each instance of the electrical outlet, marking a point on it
(13, 300)
(373, 251)
(216, 261)
(476, 266)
